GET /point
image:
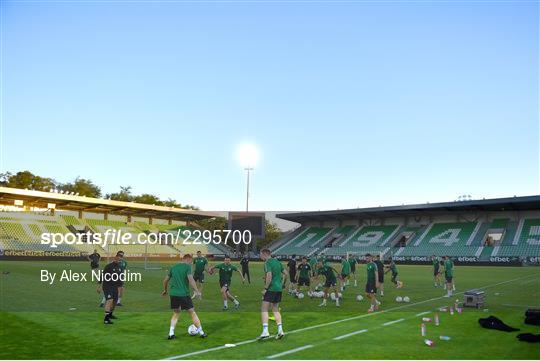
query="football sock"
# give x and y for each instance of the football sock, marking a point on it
(200, 331)
(280, 328)
(107, 316)
(171, 330)
(265, 328)
(225, 303)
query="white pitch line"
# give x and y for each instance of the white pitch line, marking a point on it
(350, 334)
(290, 351)
(392, 322)
(342, 320)
(422, 313)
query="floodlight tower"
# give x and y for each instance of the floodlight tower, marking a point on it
(248, 155)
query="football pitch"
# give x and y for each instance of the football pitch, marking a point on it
(63, 320)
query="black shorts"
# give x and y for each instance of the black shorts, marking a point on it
(292, 277)
(94, 265)
(448, 279)
(371, 287)
(304, 282)
(272, 296)
(198, 277)
(329, 283)
(381, 277)
(353, 269)
(225, 284)
(343, 276)
(435, 273)
(110, 292)
(181, 302)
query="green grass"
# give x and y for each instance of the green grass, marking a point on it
(36, 321)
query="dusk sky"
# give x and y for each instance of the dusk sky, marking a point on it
(350, 103)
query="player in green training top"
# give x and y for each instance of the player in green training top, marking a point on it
(449, 275)
(274, 279)
(353, 261)
(303, 276)
(436, 270)
(177, 283)
(123, 267)
(199, 267)
(330, 282)
(391, 267)
(372, 283)
(345, 272)
(226, 270)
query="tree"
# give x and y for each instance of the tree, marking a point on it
(85, 187)
(124, 195)
(271, 233)
(146, 198)
(27, 180)
(172, 203)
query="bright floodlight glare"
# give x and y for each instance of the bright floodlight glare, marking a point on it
(248, 155)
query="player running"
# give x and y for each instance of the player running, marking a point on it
(330, 282)
(303, 276)
(436, 271)
(177, 283)
(109, 285)
(372, 283)
(273, 286)
(199, 264)
(380, 274)
(226, 270)
(393, 268)
(291, 266)
(449, 276)
(345, 272)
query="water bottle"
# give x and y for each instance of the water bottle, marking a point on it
(426, 319)
(436, 319)
(423, 329)
(444, 338)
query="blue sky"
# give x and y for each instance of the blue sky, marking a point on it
(351, 104)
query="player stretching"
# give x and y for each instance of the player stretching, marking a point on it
(380, 274)
(199, 263)
(273, 286)
(372, 283)
(436, 271)
(109, 286)
(393, 268)
(345, 272)
(226, 270)
(303, 276)
(449, 275)
(330, 281)
(353, 262)
(244, 262)
(179, 279)
(291, 266)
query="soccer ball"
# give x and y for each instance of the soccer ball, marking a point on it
(300, 295)
(399, 299)
(406, 299)
(332, 296)
(399, 284)
(359, 298)
(192, 330)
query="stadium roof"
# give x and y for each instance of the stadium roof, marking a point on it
(96, 205)
(484, 205)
